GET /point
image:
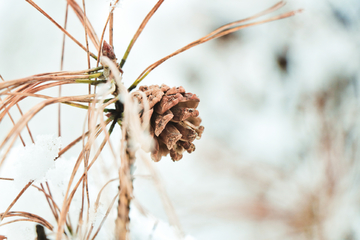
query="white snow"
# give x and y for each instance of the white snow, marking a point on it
(33, 161)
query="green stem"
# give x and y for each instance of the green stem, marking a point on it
(96, 69)
(119, 122)
(112, 127)
(123, 60)
(92, 82)
(95, 75)
(137, 81)
(81, 106)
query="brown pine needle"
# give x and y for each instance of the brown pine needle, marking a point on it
(138, 32)
(27, 126)
(106, 214)
(7, 179)
(104, 29)
(29, 115)
(61, 28)
(85, 22)
(16, 90)
(86, 39)
(53, 210)
(3, 215)
(97, 206)
(28, 217)
(111, 29)
(12, 120)
(68, 197)
(224, 30)
(32, 79)
(61, 68)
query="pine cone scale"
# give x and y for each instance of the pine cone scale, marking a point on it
(160, 121)
(188, 134)
(175, 122)
(167, 102)
(181, 113)
(170, 135)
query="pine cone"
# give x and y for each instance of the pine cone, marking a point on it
(174, 122)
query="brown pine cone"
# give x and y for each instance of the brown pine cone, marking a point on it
(174, 123)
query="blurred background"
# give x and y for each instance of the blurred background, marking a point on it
(279, 102)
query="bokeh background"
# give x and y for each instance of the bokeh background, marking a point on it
(279, 102)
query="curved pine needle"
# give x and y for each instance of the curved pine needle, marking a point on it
(23, 95)
(70, 145)
(12, 120)
(85, 22)
(28, 217)
(10, 100)
(60, 27)
(26, 220)
(32, 79)
(29, 115)
(97, 204)
(68, 197)
(3, 215)
(106, 214)
(224, 30)
(48, 196)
